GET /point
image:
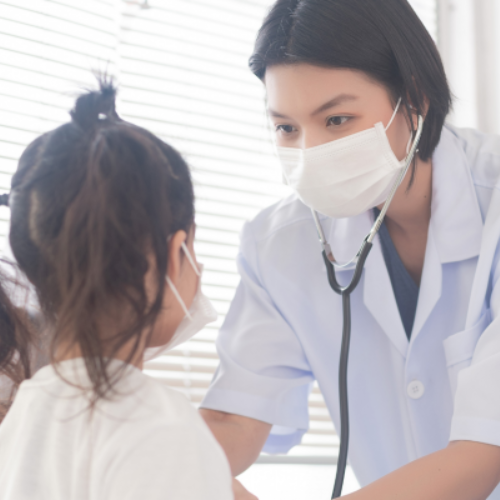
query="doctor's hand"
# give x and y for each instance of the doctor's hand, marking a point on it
(241, 493)
(464, 470)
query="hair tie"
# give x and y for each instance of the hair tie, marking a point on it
(4, 199)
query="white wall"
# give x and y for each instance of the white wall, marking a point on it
(469, 41)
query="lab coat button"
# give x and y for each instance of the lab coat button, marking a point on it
(415, 389)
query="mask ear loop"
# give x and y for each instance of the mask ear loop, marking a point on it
(190, 258)
(396, 109)
(410, 140)
(408, 146)
(179, 298)
(174, 289)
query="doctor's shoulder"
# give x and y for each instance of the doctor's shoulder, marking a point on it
(287, 214)
(482, 152)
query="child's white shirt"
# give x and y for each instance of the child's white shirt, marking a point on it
(148, 443)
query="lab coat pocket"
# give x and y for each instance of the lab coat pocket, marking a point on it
(459, 348)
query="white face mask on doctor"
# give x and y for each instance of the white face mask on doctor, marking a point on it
(345, 177)
(196, 317)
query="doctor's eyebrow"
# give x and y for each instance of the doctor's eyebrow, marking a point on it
(332, 103)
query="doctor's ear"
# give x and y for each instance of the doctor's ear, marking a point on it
(412, 112)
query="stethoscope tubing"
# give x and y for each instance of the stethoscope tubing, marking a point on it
(345, 293)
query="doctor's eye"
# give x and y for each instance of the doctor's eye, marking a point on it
(337, 120)
(285, 129)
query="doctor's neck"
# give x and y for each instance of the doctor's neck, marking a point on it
(410, 209)
(408, 218)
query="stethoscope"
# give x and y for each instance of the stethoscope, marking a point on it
(346, 291)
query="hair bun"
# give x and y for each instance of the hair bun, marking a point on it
(94, 106)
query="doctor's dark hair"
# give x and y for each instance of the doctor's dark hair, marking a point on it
(383, 38)
(91, 202)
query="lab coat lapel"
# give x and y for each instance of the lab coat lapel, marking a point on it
(378, 296)
(430, 284)
(346, 236)
(456, 223)
(456, 217)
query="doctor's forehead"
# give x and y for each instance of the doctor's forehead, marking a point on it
(310, 90)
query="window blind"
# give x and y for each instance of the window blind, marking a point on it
(427, 10)
(184, 75)
(47, 49)
(182, 70)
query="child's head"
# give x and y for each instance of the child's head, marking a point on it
(100, 209)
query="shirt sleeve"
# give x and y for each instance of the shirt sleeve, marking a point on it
(263, 371)
(477, 400)
(166, 462)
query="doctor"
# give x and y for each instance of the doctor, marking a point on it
(346, 81)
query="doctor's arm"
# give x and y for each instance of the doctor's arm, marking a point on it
(464, 470)
(241, 438)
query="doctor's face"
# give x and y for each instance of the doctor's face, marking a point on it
(311, 105)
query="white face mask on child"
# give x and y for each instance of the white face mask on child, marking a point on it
(196, 317)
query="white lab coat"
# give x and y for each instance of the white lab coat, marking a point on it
(406, 398)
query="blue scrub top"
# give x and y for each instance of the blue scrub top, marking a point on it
(408, 398)
(404, 287)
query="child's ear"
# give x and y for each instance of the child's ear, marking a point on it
(175, 255)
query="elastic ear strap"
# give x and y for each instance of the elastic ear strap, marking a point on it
(190, 258)
(394, 114)
(178, 297)
(408, 146)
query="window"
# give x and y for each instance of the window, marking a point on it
(427, 10)
(185, 77)
(182, 70)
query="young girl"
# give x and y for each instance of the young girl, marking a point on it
(102, 225)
